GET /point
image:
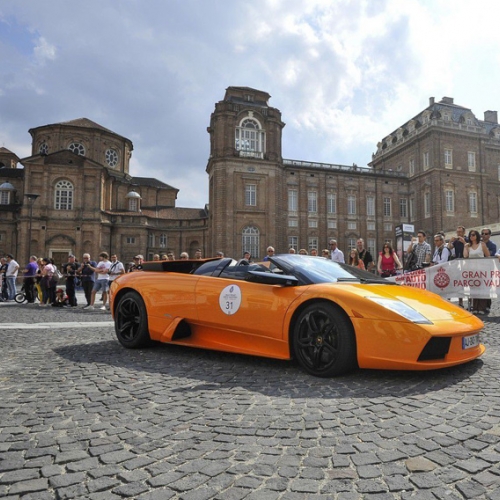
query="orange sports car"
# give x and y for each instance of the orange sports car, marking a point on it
(330, 317)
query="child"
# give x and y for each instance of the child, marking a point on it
(61, 299)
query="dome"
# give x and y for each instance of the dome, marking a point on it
(7, 186)
(133, 194)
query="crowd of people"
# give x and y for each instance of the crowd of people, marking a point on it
(41, 276)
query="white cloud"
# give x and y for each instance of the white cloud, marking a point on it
(344, 73)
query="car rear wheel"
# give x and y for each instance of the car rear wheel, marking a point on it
(131, 321)
(323, 340)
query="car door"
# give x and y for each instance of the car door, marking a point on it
(240, 316)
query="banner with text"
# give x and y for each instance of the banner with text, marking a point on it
(474, 278)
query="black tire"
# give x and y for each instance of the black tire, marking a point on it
(20, 298)
(131, 321)
(323, 340)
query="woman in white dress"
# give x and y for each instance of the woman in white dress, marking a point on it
(476, 249)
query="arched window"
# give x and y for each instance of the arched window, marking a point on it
(250, 241)
(77, 148)
(63, 196)
(250, 138)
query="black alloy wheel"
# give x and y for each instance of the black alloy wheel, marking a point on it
(323, 340)
(131, 321)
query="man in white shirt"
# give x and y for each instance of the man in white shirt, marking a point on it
(11, 276)
(116, 269)
(441, 252)
(335, 254)
(102, 281)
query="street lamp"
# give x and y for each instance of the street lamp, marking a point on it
(31, 199)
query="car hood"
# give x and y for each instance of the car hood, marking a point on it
(430, 305)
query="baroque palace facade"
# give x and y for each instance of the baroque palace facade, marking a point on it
(74, 194)
(438, 170)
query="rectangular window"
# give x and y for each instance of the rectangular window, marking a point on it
(448, 158)
(251, 195)
(312, 201)
(370, 206)
(293, 223)
(292, 200)
(351, 225)
(293, 242)
(351, 205)
(370, 226)
(332, 224)
(471, 161)
(331, 203)
(449, 200)
(387, 207)
(163, 240)
(313, 223)
(351, 243)
(403, 207)
(427, 204)
(4, 197)
(151, 240)
(370, 246)
(425, 160)
(473, 203)
(387, 227)
(313, 243)
(130, 240)
(412, 167)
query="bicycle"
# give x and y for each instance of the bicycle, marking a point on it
(20, 297)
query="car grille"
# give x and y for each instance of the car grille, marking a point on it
(436, 348)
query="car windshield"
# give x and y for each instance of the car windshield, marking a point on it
(309, 270)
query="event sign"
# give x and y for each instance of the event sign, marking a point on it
(474, 278)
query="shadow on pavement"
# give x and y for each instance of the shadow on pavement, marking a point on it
(205, 370)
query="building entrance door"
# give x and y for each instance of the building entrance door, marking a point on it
(60, 257)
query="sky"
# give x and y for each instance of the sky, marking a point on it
(344, 74)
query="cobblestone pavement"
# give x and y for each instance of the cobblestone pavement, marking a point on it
(81, 417)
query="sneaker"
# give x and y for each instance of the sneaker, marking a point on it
(102, 308)
(89, 308)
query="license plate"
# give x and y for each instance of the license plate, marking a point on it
(470, 342)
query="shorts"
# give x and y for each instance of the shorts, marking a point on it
(101, 285)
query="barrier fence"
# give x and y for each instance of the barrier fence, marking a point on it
(459, 278)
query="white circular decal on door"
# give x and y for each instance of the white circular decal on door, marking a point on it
(230, 299)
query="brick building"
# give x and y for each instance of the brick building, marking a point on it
(74, 194)
(436, 171)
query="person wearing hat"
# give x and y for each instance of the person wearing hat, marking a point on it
(138, 260)
(61, 299)
(69, 270)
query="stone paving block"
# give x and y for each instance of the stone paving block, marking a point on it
(28, 486)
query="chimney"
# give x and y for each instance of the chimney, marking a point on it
(431, 101)
(491, 116)
(447, 100)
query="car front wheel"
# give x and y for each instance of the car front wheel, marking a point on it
(323, 340)
(131, 321)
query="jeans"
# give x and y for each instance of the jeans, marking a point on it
(11, 287)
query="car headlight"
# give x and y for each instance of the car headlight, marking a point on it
(402, 309)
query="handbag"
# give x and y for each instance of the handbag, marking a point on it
(410, 264)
